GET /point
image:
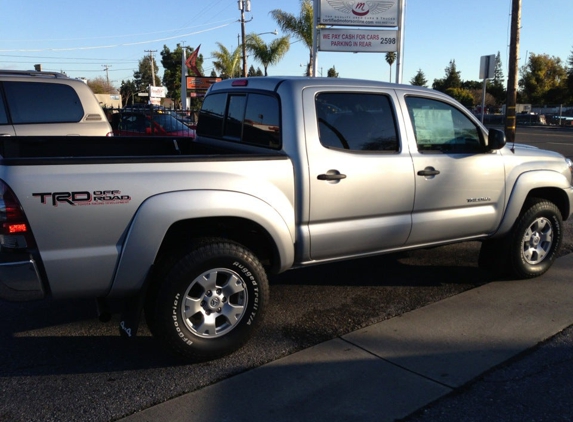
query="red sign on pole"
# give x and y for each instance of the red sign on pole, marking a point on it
(200, 83)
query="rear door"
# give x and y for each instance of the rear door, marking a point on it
(361, 180)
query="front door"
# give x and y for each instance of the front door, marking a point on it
(460, 185)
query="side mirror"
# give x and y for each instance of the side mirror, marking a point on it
(495, 139)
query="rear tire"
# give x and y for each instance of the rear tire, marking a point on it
(210, 302)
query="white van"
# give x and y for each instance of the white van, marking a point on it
(46, 103)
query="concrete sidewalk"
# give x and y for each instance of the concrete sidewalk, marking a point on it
(389, 370)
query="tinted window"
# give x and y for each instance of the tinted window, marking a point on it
(246, 117)
(441, 127)
(234, 120)
(32, 102)
(262, 124)
(133, 122)
(211, 116)
(356, 121)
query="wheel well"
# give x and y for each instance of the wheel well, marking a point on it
(247, 233)
(555, 195)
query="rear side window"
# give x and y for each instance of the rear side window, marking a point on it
(211, 116)
(356, 122)
(249, 118)
(32, 102)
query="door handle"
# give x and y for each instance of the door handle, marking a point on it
(428, 171)
(331, 175)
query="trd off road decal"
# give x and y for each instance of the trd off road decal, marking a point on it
(97, 197)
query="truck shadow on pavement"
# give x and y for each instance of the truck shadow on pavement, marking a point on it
(307, 306)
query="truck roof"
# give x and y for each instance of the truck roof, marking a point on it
(271, 83)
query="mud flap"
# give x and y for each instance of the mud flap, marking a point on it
(131, 312)
(130, 316)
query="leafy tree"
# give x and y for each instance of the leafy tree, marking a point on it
(496, 87)
(143, 77)
(419, 79)
(298, 26)
(469, 85)
(173, 68)
(255, 72)
(128, 91)
(228, 63)
(390, 59)
(332, 73)
(267, 54)
(544, 80)
(477, 95)
(100, 85)
(451, 80)
(464, 96)
(570, 77)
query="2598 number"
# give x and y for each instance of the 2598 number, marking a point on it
(388, 41)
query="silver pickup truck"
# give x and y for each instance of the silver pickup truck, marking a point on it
(283, 173)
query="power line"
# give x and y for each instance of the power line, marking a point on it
(112, 45)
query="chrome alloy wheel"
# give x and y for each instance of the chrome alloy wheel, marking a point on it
(537, 241)
(214, 303)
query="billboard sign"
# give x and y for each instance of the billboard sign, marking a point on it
(358, 13)
(358, 40)
(157, 91)
(200, 83)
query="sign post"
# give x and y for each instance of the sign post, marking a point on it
(486, 71)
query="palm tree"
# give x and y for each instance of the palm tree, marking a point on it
(227, 63)
(267, 54)
(300, 27)
(390, 59)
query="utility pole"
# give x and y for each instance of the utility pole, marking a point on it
(106, 70)
(244, 6)
(511, 102)
(152, 69)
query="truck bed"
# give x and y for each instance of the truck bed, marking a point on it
(20, 150)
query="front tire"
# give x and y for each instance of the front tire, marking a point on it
(210, 302)
(535, 239)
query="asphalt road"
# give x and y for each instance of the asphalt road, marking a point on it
(60, 363)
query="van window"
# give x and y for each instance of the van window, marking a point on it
(32, 102)
(356, 122)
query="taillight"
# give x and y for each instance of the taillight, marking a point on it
(14, 229)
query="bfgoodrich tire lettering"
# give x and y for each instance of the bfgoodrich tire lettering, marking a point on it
(535, 239)
(211, 301)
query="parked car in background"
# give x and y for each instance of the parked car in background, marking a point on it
(135, 123)
(48, 103)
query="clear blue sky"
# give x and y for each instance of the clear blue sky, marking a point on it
(81, 37)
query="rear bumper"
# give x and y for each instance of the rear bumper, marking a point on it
(20, 280)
